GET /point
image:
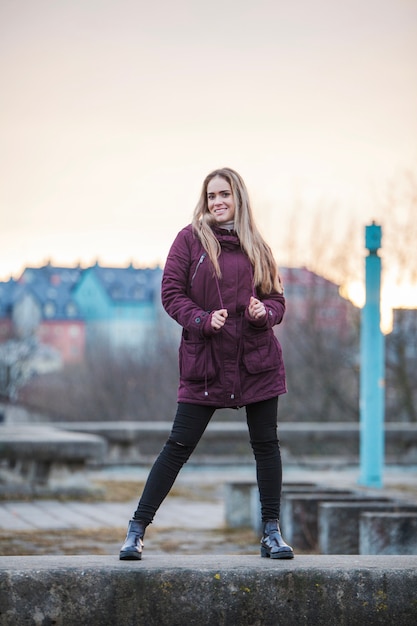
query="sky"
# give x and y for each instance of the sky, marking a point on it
(113, 112)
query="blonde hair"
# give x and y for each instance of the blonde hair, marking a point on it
(265, 271)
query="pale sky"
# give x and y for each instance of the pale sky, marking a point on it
(113, 111)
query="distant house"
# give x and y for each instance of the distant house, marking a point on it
(313, 299)
(66, 308)
(119, 305)
(70, 308)
(61, 324)
(6, 304)
(401, 366)
(404, 332)
(40, 305)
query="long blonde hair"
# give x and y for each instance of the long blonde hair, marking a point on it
(265, 271)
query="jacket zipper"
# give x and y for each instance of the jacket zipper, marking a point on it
(201, 259)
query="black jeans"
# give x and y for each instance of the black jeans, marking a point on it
(189, 425)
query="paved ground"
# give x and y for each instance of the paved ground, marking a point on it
(54, 515)
(204, 509)
(190, 520)
(199, 508)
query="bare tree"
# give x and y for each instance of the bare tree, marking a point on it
(400, 258)
(321, 362)
(321, 356)
(122, 384)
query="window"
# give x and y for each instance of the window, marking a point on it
(71, 309)
(49, 309)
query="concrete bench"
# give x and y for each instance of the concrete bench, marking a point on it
(300, 514)
(242, 505)
(339, 523)
(388, 533)
(35, 453)
(211, 590)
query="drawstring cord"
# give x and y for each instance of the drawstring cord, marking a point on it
(206, 393)
(219, 292)
(239, 352)
(252, 281)
(240, 321)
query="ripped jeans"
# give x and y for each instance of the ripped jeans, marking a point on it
(189, 425)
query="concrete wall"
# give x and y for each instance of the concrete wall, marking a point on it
(208, 590)
(307, 442)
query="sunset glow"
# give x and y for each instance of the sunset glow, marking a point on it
(113, 113)
(394, 296)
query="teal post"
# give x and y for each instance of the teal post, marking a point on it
(372, 385)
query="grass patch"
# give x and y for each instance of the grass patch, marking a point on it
(119, 491)
(408, 489)
(105, 491)
(125, 491)
(107, 541)
(49, 542)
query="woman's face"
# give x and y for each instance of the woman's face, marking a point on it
(220, 200)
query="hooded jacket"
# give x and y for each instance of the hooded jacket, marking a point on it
(242, 362)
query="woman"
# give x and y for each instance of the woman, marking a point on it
(221, 284)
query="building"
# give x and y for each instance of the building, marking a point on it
(6, 306)
(404, 328)
(45, 296)
(401, 366)
(119, 305)
(313, 299)
(69, 309)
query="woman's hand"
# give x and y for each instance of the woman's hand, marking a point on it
(256, 308)
(218, 319)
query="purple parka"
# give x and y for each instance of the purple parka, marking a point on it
(242, 362)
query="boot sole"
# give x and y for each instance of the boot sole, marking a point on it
(130, 556)
(276, 555)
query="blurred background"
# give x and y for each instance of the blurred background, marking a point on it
(112, 113)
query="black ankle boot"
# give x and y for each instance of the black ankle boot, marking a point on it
(272, 544)
(132, 548)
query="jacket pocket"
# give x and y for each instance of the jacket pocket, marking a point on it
(261, 353)
(196, 360)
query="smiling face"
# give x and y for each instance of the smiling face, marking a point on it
(220, 201)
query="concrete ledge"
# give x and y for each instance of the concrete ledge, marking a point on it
(307, 443)
(33, 452)
(48, 443)
(211, 590)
